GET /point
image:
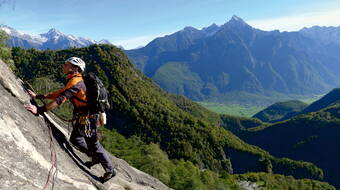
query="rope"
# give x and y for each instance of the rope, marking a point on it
(53, 172)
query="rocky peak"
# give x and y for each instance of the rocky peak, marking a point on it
(237, 22)
(190, 31)
(11, 31)
(236, 18)
(189, 28)
(5, 28)
(104, 41)
(53, 32)
(211, 30)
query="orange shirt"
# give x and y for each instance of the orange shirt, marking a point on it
(75, 91)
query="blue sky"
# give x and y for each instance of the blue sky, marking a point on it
(132, 23)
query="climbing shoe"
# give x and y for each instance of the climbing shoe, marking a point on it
(91, 163)
(107, 176)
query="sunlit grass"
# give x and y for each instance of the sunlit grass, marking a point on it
(232, 109)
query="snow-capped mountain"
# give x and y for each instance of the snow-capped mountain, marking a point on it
(53, 39)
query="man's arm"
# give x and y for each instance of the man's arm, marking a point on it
(39, 110)
(59, 97)
(51, 105)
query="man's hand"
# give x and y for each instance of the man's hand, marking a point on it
(31, 93)
(34, 95)
(35, 110)
(31, 108)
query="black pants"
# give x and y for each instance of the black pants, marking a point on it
(89, 144)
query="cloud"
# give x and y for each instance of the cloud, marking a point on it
(296, 22)
(135, 42)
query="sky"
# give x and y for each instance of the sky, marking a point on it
(134, 23)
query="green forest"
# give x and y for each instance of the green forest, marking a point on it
(170, 137)
(313, 137)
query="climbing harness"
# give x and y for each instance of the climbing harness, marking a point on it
(85, 122)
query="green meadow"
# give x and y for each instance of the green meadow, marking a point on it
(232, 109)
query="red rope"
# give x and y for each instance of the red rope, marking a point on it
(52, 174)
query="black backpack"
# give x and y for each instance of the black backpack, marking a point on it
(96, 94)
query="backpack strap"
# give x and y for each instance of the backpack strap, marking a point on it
(75, 97)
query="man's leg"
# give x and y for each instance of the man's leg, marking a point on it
(100, 154)
(78, 140)
(97, 150)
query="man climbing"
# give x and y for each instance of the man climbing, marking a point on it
(84, 133)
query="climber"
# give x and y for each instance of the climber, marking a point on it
(84, 133)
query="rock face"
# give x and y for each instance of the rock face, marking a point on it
(26, 152)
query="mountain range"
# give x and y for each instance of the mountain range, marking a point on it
(53, 39)
(233, 62)
(217, 62)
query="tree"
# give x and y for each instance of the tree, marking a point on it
(5, 51)
(3, 38)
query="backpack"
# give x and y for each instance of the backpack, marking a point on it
(96, 94)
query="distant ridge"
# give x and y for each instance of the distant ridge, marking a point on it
(53, 39)
(285, 110)
(332, 97)
(281, 111)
